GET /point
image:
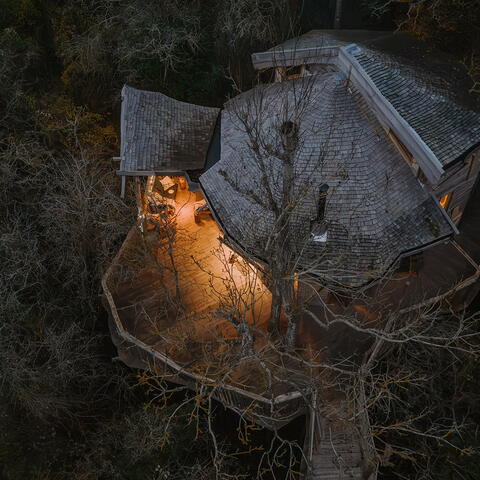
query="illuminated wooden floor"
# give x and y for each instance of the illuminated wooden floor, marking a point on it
(190, 329)
(207, 266)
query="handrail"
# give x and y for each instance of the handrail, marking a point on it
(313, 417)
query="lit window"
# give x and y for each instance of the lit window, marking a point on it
(296, 71)
(445, 200)
(287, 73)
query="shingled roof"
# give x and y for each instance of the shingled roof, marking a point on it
(428, 89)
(160, 134)
(375, 208)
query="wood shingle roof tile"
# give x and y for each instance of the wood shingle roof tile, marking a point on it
(163, 134)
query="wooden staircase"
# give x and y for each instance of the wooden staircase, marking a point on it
(337, 451)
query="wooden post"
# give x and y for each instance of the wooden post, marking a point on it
(150, 184)
(139, 196)
(313, 417)
(338, 14)
(141, 205)
(122, 189)
(279, 74)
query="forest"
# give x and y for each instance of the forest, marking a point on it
(68, 408)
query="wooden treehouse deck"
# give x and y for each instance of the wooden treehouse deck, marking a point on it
(178, 310)
(201, 267)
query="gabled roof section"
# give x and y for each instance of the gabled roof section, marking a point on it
(375, 208)
(428, 89)
(161, 135)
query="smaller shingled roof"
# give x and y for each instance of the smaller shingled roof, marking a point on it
(161, 134)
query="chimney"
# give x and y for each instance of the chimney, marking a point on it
(338, 14)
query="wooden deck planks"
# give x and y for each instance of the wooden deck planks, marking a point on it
(187, 329)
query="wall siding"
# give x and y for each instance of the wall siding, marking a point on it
(460, 181)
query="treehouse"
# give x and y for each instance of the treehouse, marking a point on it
(370, 148)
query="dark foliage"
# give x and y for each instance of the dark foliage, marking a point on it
(67, 411)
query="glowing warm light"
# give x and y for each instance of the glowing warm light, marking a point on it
(445, 200)
(150, 183)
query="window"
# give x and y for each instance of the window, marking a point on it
(406, 154)
(445, 200)
(286, 73)
(296, 71)
(403, 150)
(266, 75)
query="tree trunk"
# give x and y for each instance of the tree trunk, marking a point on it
(246, 339)
(276, 308)
(243, 330)
(290, 301)
(291, 336)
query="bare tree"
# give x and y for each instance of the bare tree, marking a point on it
(363, 391)
(119, 38)
(283, 181)
(237, 298)
(442, 23)
(358, 388)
